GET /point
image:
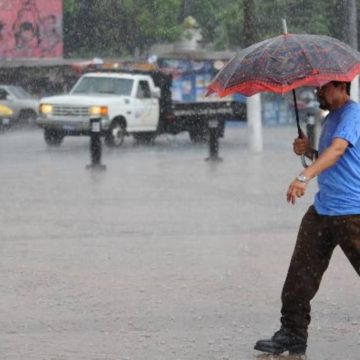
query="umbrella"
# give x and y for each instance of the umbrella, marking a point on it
(286, 62)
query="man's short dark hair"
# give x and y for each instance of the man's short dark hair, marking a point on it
(348, 85)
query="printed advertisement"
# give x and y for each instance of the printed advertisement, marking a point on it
(31, 29)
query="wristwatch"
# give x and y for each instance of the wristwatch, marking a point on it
(302, 178)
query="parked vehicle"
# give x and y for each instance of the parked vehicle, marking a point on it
(6, 117)
(24, 105)
(136, 103)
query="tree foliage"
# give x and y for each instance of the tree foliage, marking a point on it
(119, 27)
(126, 27)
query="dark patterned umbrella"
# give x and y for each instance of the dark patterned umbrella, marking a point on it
(287, 62)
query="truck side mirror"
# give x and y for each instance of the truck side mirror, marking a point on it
(156, 93)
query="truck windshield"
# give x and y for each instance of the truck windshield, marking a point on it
(103, 85)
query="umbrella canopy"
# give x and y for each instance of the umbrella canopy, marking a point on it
(286, 62)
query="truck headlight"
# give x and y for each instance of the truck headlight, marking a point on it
(101, 111)
(5, 111)
(46, 109)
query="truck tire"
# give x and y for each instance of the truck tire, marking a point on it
(116, 134)
(199, 136)
(145, 137)
(53, 137)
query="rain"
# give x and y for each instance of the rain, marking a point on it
(143, 218)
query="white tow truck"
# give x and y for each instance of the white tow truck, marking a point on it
(136, 103)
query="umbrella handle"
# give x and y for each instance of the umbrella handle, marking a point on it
(303, 161)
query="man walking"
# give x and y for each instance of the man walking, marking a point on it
(333, 220)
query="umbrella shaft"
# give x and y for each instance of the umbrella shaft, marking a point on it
(297, 114)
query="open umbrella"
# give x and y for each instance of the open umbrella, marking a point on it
(286, 62)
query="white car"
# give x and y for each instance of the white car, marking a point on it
(23, 104)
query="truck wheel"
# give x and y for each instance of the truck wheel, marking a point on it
(200, 136)
(53, 137)
(145, 137)
(116, 134)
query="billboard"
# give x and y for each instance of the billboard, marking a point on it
(31, 29)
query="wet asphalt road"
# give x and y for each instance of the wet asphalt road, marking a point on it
(161, 257)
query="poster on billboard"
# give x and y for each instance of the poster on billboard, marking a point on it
(31, 29)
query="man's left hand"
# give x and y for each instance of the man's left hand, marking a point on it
(296, 190)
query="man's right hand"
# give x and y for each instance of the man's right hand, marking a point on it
(301, 145)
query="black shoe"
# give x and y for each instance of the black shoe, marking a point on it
(282, 341)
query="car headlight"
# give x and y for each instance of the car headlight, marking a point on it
(46, 109)
(101, 111)
(5, 111)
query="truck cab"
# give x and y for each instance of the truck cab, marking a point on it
(126, 103)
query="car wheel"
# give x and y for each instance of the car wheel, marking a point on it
(116, 134)
(53, 137)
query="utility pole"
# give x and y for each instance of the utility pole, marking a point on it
(353, 41)
(347, 22)
(253, 103)
(250, 27)
(347, 25)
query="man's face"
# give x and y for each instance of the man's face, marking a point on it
(324, 96)
(328, 95)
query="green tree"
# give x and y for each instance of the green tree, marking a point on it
(250, 30)
(302, 16)
(118, 27)
(207, 15)
(229, 32)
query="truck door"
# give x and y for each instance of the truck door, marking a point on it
(148, 110)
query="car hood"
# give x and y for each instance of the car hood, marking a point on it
(83, 100)
(34, 103)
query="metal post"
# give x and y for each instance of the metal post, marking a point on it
(253, 108)
(354, 93)
(213, 141)
(95, 145)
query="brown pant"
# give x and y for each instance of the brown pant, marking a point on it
(318, 236)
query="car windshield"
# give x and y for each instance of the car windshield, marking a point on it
(104, 85)
(19, 92)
